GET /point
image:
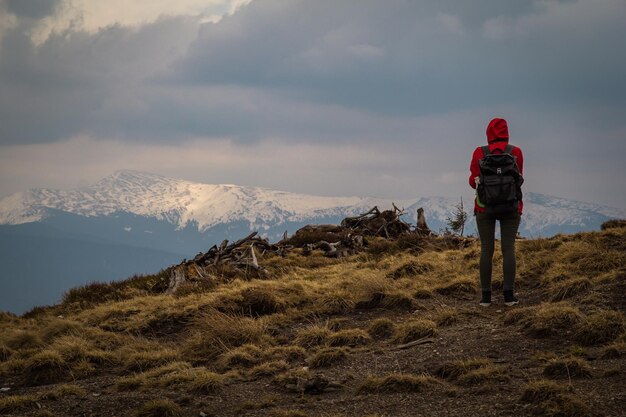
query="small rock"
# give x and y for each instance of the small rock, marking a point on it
(202, 414)
(60, 316)
(5, 389)
(96, 394)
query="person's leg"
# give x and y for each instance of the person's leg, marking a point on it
(486, 225)
(508, 230)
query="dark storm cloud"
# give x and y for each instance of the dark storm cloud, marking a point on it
(333, 71)
(34, 9)
(399, 57)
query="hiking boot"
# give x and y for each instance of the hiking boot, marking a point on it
(485, 301)
(509, 299)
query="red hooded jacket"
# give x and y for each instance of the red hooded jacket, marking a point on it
(497, 138)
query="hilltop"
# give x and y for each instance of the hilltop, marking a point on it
(319, 336)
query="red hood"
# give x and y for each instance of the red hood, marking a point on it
(497, 129)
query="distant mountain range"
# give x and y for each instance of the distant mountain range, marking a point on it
(135, 222)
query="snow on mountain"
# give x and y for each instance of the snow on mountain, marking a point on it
(181, 203)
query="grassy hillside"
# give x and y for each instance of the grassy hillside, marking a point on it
(324, 337)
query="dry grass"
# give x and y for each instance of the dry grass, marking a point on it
(600, 327)
(414, 329)
(268, 369)
(59, 327)
(16, 403)
(215, 332)
(614, 350)
(546, 319)
(45, 368)
(22, 340)
(142, 361)
(288, 413)
(453, 370)
(243, 356)
(349, 337)
(159, 408)
(176, 374)
(381, 328)
(313, 336)
(458, 286)
(327, 357)
(565, 405)
(287, 353)
(61, 391)
(411, 269)
(542, 390)
(396, 383)
(483, 374)
(445, 316)
(569, 288)
(571, 367)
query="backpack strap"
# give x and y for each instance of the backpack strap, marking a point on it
(509, 148)
(486, 150)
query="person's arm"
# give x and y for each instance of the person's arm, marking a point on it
(474, 168)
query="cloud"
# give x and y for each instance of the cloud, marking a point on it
(34, 9)
(394, 78)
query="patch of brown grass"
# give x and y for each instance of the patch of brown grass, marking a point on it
(545, 319)
(22, 340)
(349, 337)
(313, 336)
(259, 301)
(600, 327)
(46, 367)
(453, 370)
(61, 391)
(445, 316)
(287, 353)
(214, 333)
(569, 288)
(243, 356)
(381, 328)
(458, 286)
(411, 269)
(5, 352)
(414, 329)
(268, 368)
(483, 374)
(327, 357)
(16, 403)
(288, 413)
(141, 361)
(159, 408)
(542, 390)
(614, 350)
(564, 405)
(336, 301)
(571, 367)
(396, 383)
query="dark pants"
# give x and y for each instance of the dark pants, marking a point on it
(486, 224)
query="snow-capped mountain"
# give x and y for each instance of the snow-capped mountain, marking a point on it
(180, 202)
(204, 207)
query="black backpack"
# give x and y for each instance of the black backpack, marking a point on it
(499, 188)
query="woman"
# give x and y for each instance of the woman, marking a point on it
(497, 139)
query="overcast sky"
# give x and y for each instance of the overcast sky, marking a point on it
(353, 97)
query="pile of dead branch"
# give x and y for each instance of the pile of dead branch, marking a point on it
(224, 261)
(387, 224)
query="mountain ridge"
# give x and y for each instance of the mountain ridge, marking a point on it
(181, 202)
